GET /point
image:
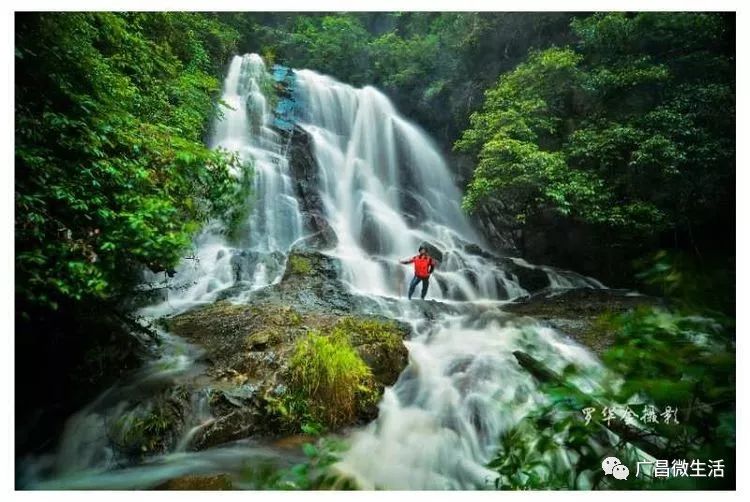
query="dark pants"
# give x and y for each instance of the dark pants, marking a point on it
(416, 280)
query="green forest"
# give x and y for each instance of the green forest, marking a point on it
(601, 143)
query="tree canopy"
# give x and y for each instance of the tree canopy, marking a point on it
(112, 172)
(631, 127)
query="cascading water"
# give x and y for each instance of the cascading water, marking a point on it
(439, 425)
(254, 261)
(384, 188)
(274, 222)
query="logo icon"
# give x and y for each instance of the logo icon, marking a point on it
(613, 466)
(620, 472)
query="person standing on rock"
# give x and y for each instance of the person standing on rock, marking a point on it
(423, 267)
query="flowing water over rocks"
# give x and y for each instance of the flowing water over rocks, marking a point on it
(349, 187)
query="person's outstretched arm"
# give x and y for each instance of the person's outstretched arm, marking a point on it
(407, 261)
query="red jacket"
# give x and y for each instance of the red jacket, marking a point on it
(422, 266)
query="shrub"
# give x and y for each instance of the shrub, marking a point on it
(112, 174)
(660, 358)
(330, 375)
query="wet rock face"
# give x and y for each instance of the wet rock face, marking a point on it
(560, 241)
(245, 261)
(575, 312)
(311, 283)
(306, 182)
(498, 227)
(248, 347)
(530, 279)
(237, 424)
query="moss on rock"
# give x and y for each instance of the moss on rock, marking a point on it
(331, 376)
(380, 344)
(300, 265)
(262, 350)
(196, 482)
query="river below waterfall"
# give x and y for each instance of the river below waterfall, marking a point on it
(379, 188)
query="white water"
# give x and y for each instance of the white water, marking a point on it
(274, 222)
(440, 424)
(385, 188)
(85, 456)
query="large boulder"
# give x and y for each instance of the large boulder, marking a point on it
(248, 347)
(248, 351)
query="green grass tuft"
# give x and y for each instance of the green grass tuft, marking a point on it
(329, 373)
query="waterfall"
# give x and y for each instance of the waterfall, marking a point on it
(253, 260)
(384, 188)
(439, 425)
(384, 185)
(274, 221)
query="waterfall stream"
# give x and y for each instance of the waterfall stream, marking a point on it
(274, 222)
(384, 188)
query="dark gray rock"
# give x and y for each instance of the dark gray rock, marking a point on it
(238, 424)
(575, 312)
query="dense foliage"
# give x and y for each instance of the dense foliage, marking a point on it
(622, 123)
(602, 137)
(434, 65)
(630, 129)
(681, 358)
(111, 170)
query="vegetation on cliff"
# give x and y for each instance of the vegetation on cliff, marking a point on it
(112, 176)
(112, 173)
(630, 129)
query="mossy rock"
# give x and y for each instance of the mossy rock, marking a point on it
(150, 427)
(261, 340)
(299, 265)
(380, 344)
(197, 482)
(252, 346)
(330, 377)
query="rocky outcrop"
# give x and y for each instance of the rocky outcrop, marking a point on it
(306, 184)
(531, 279)
(499, 228)
(248, 347)
(558, 240)
(576, 312)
